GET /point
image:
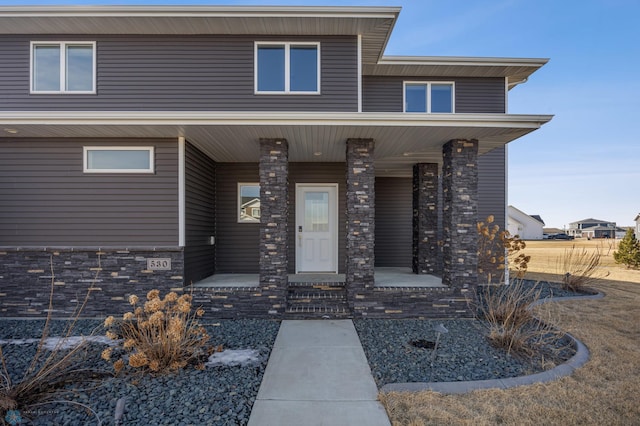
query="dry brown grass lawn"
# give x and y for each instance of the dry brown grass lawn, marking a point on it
(606, 391)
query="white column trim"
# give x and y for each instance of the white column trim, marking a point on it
(359, 72)
(181, 192)
(506, 209)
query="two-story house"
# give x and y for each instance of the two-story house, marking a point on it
(592, 228)
(159, 146)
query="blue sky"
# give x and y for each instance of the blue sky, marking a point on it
(586, 161)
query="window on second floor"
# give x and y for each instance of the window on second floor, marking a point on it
(287, 67)
(63, 67)
(433, 97)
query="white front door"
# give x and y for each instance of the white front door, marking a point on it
(316, 228)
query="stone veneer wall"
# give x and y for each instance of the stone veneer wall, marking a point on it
(416, 302)
(237, 302)
(460, 213)
(274, 213)
(359, 270)
(425, 219)
(110, 275)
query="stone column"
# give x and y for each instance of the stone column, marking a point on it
(460, 213)
(425, 218)
(274, 208)
(360, 219)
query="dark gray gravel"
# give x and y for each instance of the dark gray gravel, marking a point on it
(224, 395)
(220, 395)
(464, 353)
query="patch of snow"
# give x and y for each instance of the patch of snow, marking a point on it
(62, 343)
(232, 357)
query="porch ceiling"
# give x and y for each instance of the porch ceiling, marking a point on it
(401, 139)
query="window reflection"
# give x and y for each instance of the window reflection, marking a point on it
(248, 203)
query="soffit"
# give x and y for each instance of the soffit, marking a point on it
(401, 141)
(373, 23)
(515, 69)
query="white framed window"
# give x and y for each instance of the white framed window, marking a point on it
(118, 159)
(287, 67)
(248, 202)
(429, 96)
(63, 67)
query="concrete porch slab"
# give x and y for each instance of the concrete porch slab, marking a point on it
(384, 277)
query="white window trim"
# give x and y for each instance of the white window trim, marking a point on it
(428, 84)
(287, 67)
(63, 67)
(149, 149)
(239, 208)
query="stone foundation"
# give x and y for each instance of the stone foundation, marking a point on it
(238, 302)
(108, 275)
(416, 302)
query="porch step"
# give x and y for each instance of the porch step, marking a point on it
(307, 300)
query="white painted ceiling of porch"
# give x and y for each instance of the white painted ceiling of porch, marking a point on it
(397, 147)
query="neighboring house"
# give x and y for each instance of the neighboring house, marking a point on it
(525, 226)
(637, 221)
(250, 211)
(131, 138)
(592, 228)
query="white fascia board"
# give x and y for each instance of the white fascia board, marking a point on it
(462, 60)
(199, 118)
(202, 11)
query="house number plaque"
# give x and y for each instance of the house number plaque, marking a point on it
(159, 264)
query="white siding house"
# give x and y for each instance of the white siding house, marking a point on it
(525, 226)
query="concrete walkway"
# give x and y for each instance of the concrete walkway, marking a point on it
(318, 375)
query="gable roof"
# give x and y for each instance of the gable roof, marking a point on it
(591, 220)
(534, 217)
(373, 24)
(538, 218)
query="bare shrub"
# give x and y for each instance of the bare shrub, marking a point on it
(49, 371)
(511, 321)
(579, 268)
(498, 248)
(160, 335)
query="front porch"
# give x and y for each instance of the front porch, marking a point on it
(397, 293)
(384, 277)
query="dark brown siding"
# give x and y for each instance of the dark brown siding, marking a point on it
(318, 173)
(200, 214)
(237, 244)
(492, 186)
(473, 95)
(47, 200)
(394, 215)
(208, 73)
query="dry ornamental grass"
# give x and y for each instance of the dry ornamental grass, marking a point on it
(603, 392)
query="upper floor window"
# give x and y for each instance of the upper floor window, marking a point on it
(434, 97)
(63, 67)
(287, 67)
(118, 159)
